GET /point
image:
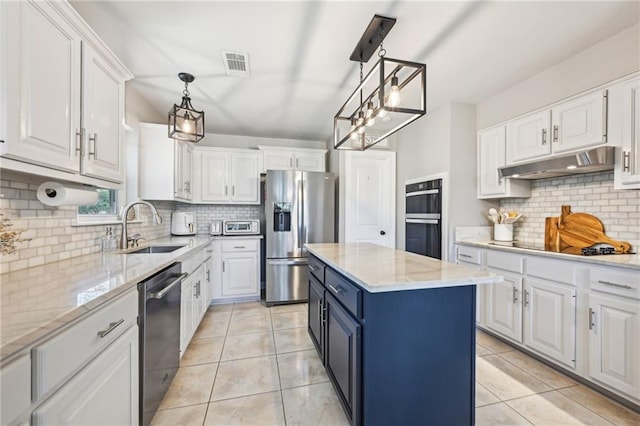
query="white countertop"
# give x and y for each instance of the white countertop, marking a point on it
(38, 301)
(630, 261)
(381, 269)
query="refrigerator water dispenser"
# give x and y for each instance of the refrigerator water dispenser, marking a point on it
(281, 217)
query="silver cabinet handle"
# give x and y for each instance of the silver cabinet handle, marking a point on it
(223, 266)
(605, 112)
(79, 139)
(208, 275)
(628, 287)
(225, 190)
(515, 295)
(544, 136)
(526, 298)
(112, 326)
(290, 162)
(238, 247)
(336, 290)
(465, 255)
(319, 310)
(626, 157)
(198, 289)
(297, 166)
(233, 190)
(93, 139)
(555, 133)
(313, 268)
(592, 315)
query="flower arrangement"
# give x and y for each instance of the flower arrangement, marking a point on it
(10, 237)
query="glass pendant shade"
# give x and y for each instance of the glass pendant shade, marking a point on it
(185, 123)
(400, 89)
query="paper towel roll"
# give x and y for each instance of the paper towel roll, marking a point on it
(57, 194)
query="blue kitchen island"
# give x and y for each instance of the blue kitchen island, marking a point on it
(395, 332)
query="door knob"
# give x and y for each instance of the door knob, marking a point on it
(383, 233)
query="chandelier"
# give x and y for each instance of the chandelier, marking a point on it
(185, 123)
(392, 95)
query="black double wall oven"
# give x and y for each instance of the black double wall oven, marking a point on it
(423, 218)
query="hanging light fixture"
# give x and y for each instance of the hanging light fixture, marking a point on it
(392, 95)
(185, 123)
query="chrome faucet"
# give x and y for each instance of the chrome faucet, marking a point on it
(124, 237)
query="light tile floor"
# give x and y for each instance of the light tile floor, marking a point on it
(252, 365)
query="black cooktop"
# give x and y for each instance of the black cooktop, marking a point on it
(597, 250)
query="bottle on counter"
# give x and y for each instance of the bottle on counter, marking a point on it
(108, 241)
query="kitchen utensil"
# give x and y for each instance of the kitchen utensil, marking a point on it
(494, 215)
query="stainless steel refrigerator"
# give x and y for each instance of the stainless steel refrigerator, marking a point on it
(299, 209)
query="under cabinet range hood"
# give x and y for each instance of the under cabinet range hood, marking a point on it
(593, 160)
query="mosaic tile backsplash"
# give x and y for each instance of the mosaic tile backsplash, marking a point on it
(593, 193)
(54, 238)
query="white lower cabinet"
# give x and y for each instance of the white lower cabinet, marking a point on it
(614, 342)
(550, 319)
(504, 306)
(236, 269)
(192, 306)
(105, 392)
(15, 389)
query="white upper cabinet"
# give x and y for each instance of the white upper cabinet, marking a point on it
(165, 165)
(227, 176)
(624, 132)
(43, 104)
(580, 122)
(284, 158)
(491, 155)
(103, 109)
(528, 137)
(65, 107)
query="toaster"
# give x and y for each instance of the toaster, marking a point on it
(216, 227)
(183, 223)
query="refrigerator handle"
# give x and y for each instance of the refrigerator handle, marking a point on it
(300, 213)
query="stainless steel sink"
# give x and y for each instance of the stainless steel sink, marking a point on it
(156, 249)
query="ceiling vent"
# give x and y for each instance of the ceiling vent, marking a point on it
(236, 63)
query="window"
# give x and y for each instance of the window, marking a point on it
(104, 210)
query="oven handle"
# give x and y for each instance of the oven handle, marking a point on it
(160, 294)
(427, 192)
(426, 221)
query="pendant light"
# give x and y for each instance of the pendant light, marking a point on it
(185, 123)
(392, 95)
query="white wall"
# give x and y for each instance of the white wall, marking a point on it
(608, 60)
(137, 110)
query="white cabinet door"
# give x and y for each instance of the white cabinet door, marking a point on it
(624, 132)
(245, 178)
(309, 162)
(215, 171)
(277, 160)
(504, 306)
(103, 107)
(580, 122)
(43, 98)
(614, 342)
(15, 389)
(240, 274)
(105, 392)
(186, 313)
(207, 284)
(528, 137)
(182, 173)
(491, 155)
(550, 319)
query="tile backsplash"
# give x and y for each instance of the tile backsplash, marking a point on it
(54, 238)
(593, 193)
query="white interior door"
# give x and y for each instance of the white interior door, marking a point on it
(370, 197)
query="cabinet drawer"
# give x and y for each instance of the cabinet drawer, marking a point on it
(15, 385)
(240, 245)
(348, 294)
(615, 281)
(316, 268)
(552, 270)
(505, 261)
(469, 255)
(56, 359)
(191, 263)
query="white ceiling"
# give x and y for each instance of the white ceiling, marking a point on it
(299, 51)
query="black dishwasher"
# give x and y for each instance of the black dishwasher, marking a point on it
(159, 312)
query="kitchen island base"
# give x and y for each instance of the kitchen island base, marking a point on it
(398, 357)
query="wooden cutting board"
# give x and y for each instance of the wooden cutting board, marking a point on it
(581, 230)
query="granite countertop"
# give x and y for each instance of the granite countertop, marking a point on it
(630, 261)
(381, 269)
(37, 302)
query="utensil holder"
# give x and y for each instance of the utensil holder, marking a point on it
(503, 232)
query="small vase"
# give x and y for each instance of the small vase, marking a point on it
(503, 232)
